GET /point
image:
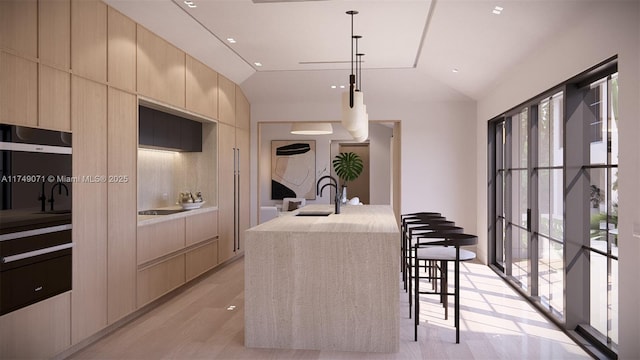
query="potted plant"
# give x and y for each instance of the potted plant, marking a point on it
(348, 166)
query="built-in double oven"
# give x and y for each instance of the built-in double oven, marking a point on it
(35, 215)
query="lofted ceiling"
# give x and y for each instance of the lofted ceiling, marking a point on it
(412, 46)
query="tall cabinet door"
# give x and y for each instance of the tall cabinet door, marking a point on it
(89, 125)
(243, 181)
(226, 191)
(243, 119)
(122, 168)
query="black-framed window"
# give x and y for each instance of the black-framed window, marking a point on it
(553, 201)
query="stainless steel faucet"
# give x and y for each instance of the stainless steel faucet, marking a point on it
(335, 186)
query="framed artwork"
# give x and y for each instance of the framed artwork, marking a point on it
(293, 169)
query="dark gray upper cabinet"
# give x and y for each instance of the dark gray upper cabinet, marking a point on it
(161, 130)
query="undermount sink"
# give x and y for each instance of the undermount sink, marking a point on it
(161, 211)
(314, 213)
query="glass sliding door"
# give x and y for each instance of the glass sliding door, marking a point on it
(529, 208)
(550, 204)
(554, 191)
(603, 207)
(517, 202)
(500, 188)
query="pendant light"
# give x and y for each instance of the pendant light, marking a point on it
(361, 133)
(352, 100)
(305, 128)
(354, 114)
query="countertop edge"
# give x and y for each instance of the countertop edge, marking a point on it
(144, 220)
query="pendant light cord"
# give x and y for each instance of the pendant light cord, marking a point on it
(352, 76)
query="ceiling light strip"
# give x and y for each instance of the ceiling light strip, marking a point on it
(427, 23)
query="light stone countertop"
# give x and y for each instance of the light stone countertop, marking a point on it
(154, 219)
(352, 219)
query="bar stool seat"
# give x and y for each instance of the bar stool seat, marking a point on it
(441, 253)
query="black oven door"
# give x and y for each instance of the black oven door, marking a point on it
(34, 265)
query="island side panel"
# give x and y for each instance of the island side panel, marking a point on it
(318, 290)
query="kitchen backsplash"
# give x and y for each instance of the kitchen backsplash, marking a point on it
(163, 175)
(157, 178)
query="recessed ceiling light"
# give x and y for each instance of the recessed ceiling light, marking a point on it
(455, 70)
(257, 64)
(333, 86)
(231, 40)
(231, 307)
(190, 4)
(497, 10)
(342, 86)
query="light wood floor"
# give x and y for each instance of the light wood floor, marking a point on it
(206, 322)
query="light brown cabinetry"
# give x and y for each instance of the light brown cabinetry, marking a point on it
(54, 99)
(243, 201)
(54, 33)
(89, 40)
(233, 178)
(159, 279)
(201, 227)
(79, 65)
(226, 100)
(19, 27)
(226, 192)
(243, 110)
(122, 204)
(201, 88)
(89, 126)
(174, 251)
(121, 62)
(18, 90)
(157, 240)
(38, 331)
(161, 69)
(243, 117)
(201, 259)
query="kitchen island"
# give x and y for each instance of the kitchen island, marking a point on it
(324, 282)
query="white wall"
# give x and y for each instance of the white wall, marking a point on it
(379, 165)
(611, 28)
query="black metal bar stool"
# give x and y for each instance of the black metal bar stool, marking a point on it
(444, 227)
(417, 226)
(443, 251)
(408, 220)
(413, 223)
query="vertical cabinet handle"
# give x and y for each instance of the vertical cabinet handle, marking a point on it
(238, 198)
(235, 191)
